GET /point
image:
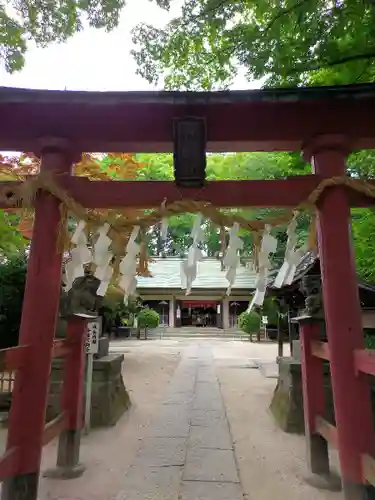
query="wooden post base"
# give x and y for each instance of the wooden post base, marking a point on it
(22, 487)
(318, 461)
(353, 491)
(68, 466)
(317, 451)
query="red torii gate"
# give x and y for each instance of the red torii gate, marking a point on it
(324, 123)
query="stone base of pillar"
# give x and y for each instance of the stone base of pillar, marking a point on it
(65, 472)
(328, 482)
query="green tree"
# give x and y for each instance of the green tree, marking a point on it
(45, 22)
(148, 318)
(361, 164)
(156, 167)
(284, 43)
(270, 309)
(12, 287)
(11, 240)
(114, 307)
(232, 166)
(249, 322)
(251, 166)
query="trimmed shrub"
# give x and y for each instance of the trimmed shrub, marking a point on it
(249, 322)
(148, 318)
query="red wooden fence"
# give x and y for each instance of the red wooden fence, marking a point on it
(72, 349)
(314, 353)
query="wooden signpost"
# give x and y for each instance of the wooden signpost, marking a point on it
(94, 328)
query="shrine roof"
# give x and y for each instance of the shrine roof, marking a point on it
(307, 263)
(251, 120)
(166, 274)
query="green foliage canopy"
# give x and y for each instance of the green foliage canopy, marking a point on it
(283, 43)
(11, 241)
(252, 166)
(114, 307)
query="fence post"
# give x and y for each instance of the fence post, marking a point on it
(68, 465)
(314, 406)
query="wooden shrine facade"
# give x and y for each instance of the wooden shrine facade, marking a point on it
(291, 300)
(323, 123)
(207, 305)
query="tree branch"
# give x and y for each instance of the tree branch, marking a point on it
(210, 9)
(283, 13)
(336, 62)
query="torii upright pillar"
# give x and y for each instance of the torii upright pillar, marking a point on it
(37, 331)
(351, 392)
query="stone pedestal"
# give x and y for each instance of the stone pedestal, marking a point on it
(296, 350)
(287, 402)
(103, 347)
(109, 396)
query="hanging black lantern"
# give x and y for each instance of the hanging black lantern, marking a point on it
(189, 155)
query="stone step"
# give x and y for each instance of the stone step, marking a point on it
(170, 333)
(185, 329)
(205, 332)
(187, 336)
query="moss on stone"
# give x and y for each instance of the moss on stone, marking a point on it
(109, 399)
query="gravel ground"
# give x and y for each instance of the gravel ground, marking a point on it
(271, 463)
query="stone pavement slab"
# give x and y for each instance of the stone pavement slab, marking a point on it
(194, 490)
(204, 375)
(208, 401)
(206, 390)
(182, 386)
(162, 452)
(215, 437)
(206, 417)
(204, 464)
(173, 420)
(171, 429)
(145, 483)
(189, 442)
(179, 398)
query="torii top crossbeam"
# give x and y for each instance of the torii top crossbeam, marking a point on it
(260, 120)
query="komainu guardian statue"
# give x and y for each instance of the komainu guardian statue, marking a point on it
(80, 299)
(311, 287)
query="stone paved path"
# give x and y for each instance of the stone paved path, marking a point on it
(188, 451)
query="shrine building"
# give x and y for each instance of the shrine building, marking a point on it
(208, 302)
